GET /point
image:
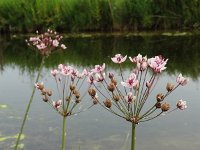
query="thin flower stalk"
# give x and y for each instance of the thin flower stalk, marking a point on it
(126, 97)
(45, 44)
(69, 84)
(28, 106)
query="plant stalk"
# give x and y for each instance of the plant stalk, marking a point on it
(64, 133)
(29, 105)
(133, 136)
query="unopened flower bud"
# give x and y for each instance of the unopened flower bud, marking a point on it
(165, 107)
(111, 87)
(107, 103)
(72, 87)
(116, 98)
(169, 87)
(49, 92)
(148, 84)
(111, 75)
(158, 105)
(92, 92)
(160, 97)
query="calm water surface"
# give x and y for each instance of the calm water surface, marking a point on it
(96, 129)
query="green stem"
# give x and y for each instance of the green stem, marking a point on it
(133, 136)
(64, 133)
(29, 105)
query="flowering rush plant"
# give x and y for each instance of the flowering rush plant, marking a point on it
(126, 97)
(47, 42)
(69, 82)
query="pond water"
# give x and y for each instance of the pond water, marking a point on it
(97, 129)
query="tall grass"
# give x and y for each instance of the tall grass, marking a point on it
(98, 15)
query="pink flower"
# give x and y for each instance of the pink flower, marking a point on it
(57, 104)
(61, 66)
(100, 77)
(67, 70)
(90, 79)
(157, 64)
(181, 104)
(118, 58)
(85, 72)
(98, 68)
(41, 46)
(130, 98)
(131, 81)
(54, 72)
(148, 84)
(136, 59)
(55, 43)
(181, 80)
(63, 46)
(140, 61)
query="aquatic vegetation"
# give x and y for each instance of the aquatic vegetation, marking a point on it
(45, 44)
(71, 92)
(126, 97)
(3, 106)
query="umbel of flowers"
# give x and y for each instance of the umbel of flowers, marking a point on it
(45, 43)
(70, 91)
(126, 97)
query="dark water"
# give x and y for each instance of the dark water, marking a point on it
(97, 129)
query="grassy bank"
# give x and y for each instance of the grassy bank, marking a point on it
(98, 15)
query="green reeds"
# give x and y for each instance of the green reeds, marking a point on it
(98, 15)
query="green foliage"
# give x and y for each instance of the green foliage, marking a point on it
(86, 52)
(98, 15)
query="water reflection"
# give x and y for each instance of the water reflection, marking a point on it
(97, 129)
(183, 52)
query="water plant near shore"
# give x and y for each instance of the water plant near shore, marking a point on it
(45, 44)
(69, 84)
(126, 98)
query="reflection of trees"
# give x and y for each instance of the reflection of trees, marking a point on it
(183, 52)
(1, 59)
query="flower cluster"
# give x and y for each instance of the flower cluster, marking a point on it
(47, 42)
(69, 82)
(126, 97)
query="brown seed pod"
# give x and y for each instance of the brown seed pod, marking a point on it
(111, 87)
(72, 87)
(116, 98)
(92, 92)
(158, 105)
(43, 91)
(165, 107)
(45, 98)
(169, 87)
(78, 100)
(159, 97)
(49, 92)
(114, 81)
(107, 103)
